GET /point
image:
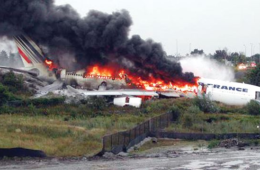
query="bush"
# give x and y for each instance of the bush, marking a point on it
(253, 77)
(253, 108)
(206, 105)
(175, 113)
(194, 110)
(96, 103)
(231, 109)
(45, 101)
(213, 144)
(187, 121)
(5, 95)
(13, 82)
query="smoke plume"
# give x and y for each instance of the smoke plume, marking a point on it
(96, 38)
(207, 68)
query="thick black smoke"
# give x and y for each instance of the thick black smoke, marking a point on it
(97, 38)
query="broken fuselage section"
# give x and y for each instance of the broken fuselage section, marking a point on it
(89, 81)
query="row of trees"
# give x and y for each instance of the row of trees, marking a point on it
(223, 55)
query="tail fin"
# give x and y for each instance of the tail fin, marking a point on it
(29, 51)
(32, 57)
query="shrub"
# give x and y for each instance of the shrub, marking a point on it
(45, 101)
(194, 109)
(4, 109)
(14, 83)
(253, 108)
(5, 95)
(231, 109)
(96, 103)
(206, 105)
(213, 144)
(175, 113)
(253, 77)
(187, 121)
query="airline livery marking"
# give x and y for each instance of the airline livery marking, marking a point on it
(24, 56)
(231, 88)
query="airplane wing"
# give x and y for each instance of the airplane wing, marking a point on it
(121, 92)
(19, 70)
(49, 88)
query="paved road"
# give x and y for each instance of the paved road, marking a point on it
(218, 159)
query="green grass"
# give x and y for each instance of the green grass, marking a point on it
(76, 136)
(218, 123)
(213, 144)
(66, 130)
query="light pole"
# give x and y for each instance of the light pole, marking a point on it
(245, 49)
(251, 49)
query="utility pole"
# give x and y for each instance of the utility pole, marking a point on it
(251, 49)
(245, 49)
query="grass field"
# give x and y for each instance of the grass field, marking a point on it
(218, 123)
(77, 130)
(60, 136)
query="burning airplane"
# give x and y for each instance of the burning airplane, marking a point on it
(93, 77)
(93, 52)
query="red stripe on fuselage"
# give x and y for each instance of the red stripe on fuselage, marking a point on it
(24, 56)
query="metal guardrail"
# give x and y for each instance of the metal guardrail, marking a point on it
(122, 141)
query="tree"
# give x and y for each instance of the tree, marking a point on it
(256, 58)
(237, 58)
(13, 82)
(4, 94)
(253, 76)
(220, 55)
(196, 52)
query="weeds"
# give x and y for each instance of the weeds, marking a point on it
(213, 144)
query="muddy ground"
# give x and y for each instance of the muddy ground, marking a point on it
(188, 156)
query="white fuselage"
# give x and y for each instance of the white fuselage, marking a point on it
(231, 93)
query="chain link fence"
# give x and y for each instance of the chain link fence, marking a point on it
(122, 141)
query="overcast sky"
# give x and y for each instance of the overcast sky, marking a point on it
(204, 24)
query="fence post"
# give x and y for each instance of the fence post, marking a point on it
(150, 125)
(111, 142)
(160, 122)
(168, 119)
(144, 127)
(104, 144)
(130, 135)
(118, 138)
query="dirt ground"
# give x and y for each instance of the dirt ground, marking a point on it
(180, 156)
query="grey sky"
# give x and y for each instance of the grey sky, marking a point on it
(205, 24)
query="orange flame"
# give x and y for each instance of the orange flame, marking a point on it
(151, 84)
(50, 64)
